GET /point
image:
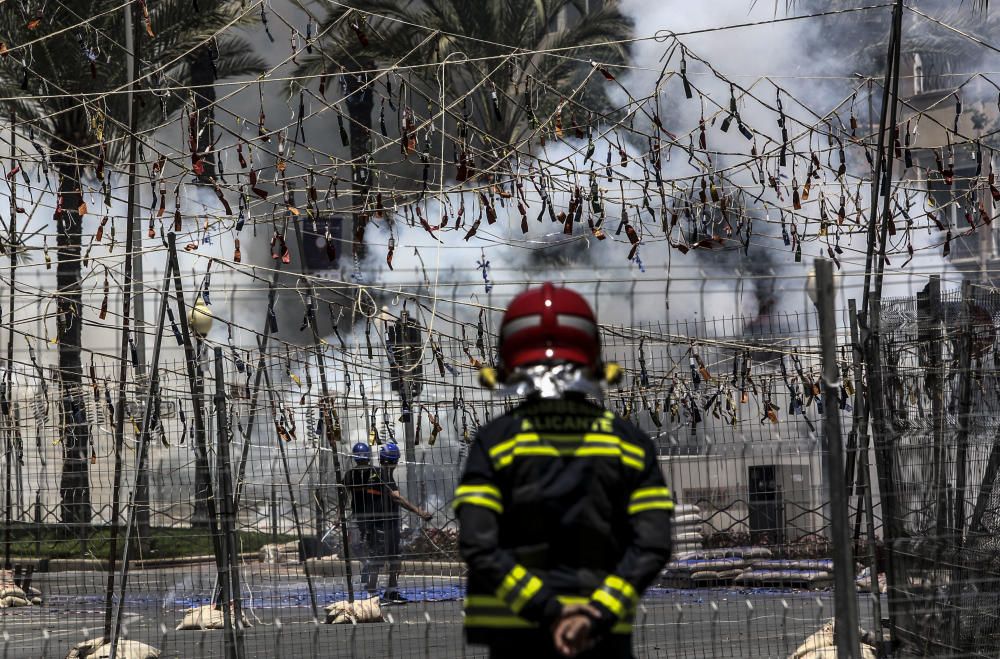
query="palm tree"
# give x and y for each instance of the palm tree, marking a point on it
(485, 32)
(62, 81)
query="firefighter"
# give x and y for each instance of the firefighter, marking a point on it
(564, 514)
(375, 502)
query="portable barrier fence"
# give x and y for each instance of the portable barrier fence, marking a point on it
(255, 518)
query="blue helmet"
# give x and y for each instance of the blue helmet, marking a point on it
(389, 453)
(362, 452)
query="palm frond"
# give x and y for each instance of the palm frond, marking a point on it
(486, 32)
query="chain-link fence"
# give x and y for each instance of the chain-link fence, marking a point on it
(939, 365)
(734, 408)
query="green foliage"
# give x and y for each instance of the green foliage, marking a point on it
(57, 542)
(67, 66)
(486, 33)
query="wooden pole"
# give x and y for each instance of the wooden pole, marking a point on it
(9, 380)
(863, 469)
(328, 428)
(845, 596)
(294, 503)
(232, 609)
(152, 395)
(131, 26)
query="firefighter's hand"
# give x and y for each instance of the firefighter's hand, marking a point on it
(426, 515)
(571, 633)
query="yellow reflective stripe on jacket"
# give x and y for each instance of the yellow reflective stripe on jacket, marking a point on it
(617, 595)
(527, 592)
(478, 501)
(636, 508)
(649, 493)
(516, 574)
(650, 498)
(488, 611)
(518, 587)
(487, 496)
(508, 621)
(580, 445)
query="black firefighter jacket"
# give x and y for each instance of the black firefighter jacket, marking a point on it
(561, 502)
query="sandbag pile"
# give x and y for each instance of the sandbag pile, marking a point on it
(822, 646)
(287, 552)
(96, 648)
(206, 617)
(687, 528)
(709, 567)
(362, 610)
(744, 567)
(13, 596)
(787, 573)
(864, 581)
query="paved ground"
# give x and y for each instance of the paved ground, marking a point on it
(691, 624)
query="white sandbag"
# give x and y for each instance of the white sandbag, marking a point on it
(96, 648)
(686, 509)
(821, 645)
(688, 536)
(738, 552)
(11, 596)
(364, 610)
(206, 617)
(717, 564)
(285, 552)
(784, 576)
(35, 596)
(863, 581)
(821, 564)
(686, 519)
(705, 575)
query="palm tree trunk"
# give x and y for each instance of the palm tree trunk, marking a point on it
(74, 485)
(359, 105)
(202, 70)
(201, 67)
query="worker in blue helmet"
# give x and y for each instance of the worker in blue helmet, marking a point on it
(376, 503)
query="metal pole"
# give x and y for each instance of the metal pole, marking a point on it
(864, 470)
(877, 174)
(232, 609)
(965, 375)
(194, 382)
(292, 500)
(964, 407)
(272, 294)
(935, 376)
(328, 427)
(326, 412)
(845, 596)
(110, 627)
(414, 470)
(9, 383)
(152, 394)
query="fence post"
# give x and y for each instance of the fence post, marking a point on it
(37, 519)
(232, 610)
(864, 471)
(112, 614)
(274, 513)
(292, 500)
(326, 410)
(845, 597)
(961, 451)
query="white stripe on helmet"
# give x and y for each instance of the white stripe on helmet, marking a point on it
(578, 323)
(522, 323)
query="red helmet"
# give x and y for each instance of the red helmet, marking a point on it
(549, 324)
